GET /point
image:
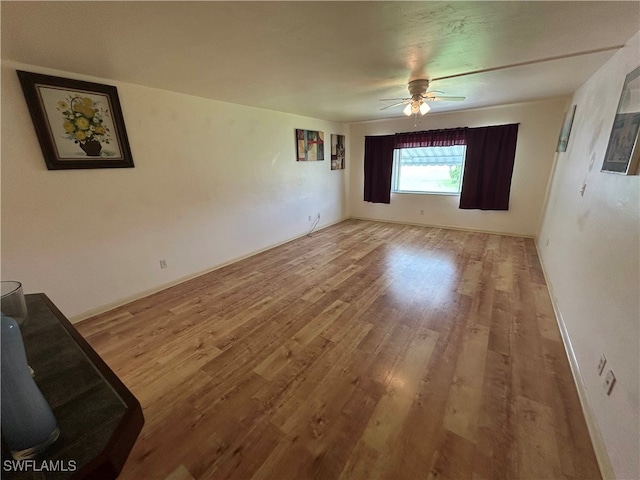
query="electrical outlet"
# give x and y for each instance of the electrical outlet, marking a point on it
(163, 264)
(601, 364)
(421, 212)
(609, 382)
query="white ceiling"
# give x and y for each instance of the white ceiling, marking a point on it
(329, 60)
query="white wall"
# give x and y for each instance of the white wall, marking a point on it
(540, 124)
(212, 182)
(592, 262)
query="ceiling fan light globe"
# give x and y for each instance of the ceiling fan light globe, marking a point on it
(424, 108)
(415, 107)
(407, 110)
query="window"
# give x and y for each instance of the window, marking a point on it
(435, 170)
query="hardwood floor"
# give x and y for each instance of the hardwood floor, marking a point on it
(365, 351)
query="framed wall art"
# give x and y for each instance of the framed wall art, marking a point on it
(623, 152)
(309, 146)
(565, 132)
(78, 124)
(337, 152)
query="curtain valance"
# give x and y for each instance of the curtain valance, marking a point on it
(431, 138)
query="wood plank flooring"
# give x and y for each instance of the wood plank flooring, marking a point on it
(365, 351)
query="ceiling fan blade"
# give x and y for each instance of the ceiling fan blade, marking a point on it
(394, 105)
(394, 99)
(445, 99)
(529, 62)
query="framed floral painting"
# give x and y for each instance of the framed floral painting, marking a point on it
(78, 124)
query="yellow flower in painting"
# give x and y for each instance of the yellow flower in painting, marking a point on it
(69, 127)
(82, 123)
(84, 111)
(82, 119)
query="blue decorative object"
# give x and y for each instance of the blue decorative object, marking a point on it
(28, 424)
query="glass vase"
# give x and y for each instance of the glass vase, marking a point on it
(28, 424)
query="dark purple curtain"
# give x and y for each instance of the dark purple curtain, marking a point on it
(378, 163)
(486, 183)
(431, 138)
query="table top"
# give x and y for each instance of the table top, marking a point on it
(99, 418)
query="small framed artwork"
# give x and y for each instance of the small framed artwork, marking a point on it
(623, 152)
(563, 139)
(309, 146)
(78, 124)
(337, 152)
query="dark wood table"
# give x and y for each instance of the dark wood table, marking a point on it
(99, 418)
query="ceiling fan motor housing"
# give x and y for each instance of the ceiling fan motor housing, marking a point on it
(418, 87)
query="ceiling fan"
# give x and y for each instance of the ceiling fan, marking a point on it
(417, 102)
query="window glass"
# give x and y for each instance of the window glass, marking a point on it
(428, 169)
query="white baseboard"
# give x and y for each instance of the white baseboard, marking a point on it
(123, 301)
(132, 298)
(602, 456)
(445, 227)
